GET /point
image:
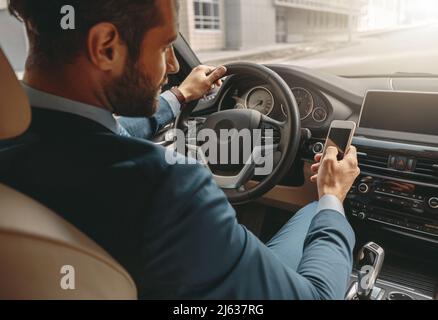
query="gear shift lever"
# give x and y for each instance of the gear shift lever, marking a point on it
(370, 262)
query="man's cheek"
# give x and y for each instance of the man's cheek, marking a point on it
(159, 76)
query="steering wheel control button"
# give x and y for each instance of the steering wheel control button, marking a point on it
(318, 148)
(433, 202)
(363, 188)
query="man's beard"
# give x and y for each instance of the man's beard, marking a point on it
(133, 94)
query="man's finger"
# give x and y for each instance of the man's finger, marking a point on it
(315, 167)
(331, 153)
(217, 74)
(351, 153)
(314, 178)
(318, 157)
(206, 69)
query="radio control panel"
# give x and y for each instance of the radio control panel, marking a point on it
(398, 204)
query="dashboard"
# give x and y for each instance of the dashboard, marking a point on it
(397, 191)
(394, 201)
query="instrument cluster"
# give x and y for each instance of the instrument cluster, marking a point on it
(313, 109)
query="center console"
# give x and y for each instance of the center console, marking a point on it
(397, 191)
(397, 194)
(397, 188)
(397, 143)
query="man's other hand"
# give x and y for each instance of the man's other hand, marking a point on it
(335, 177)
(201, 81)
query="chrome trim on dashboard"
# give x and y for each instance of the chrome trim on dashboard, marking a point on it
(401, 227)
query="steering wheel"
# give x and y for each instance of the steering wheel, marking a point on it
(285, 146)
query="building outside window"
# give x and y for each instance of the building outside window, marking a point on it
(13, 38)
(207, 15)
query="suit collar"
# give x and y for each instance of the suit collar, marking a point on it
(56, 123)
(49, 102)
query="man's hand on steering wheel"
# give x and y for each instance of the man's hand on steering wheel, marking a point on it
(201, 81)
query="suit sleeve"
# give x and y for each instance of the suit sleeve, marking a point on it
(147, 128)
(207, 254)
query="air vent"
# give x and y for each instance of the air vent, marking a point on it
(378, 162)
(427, 167)
(373, 160)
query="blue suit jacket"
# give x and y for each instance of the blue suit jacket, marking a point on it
(170, 226)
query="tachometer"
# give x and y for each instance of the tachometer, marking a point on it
(305, 102)
(260, 99)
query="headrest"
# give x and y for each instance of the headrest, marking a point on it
(15, 113)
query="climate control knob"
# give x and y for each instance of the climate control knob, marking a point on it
(363, 188)
(433, 203)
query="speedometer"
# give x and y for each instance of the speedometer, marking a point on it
(305, 102)
(260, 99)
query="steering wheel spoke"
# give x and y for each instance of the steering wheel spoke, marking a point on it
(273, 131)
(258, 158)
(281, 125)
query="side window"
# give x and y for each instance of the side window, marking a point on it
(12, 39)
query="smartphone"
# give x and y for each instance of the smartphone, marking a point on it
(340, 136)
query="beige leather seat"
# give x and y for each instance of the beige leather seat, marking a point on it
(41, 255)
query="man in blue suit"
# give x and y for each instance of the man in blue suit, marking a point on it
(169, 106)
(169, 225)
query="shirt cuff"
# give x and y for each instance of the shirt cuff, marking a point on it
(330, 202)
(173, 102)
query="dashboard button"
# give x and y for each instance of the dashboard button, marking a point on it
(416, 205)
(318, 148)
(379, 198)
(363, 188)
(401, 163)
(362, 215)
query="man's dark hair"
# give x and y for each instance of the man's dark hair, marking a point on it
(50, 45)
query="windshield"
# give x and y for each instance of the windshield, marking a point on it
(343, 37)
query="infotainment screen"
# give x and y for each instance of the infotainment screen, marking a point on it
(402, 112)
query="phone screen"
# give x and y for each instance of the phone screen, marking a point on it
(339, 138)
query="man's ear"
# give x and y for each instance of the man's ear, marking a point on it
(106, 49)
